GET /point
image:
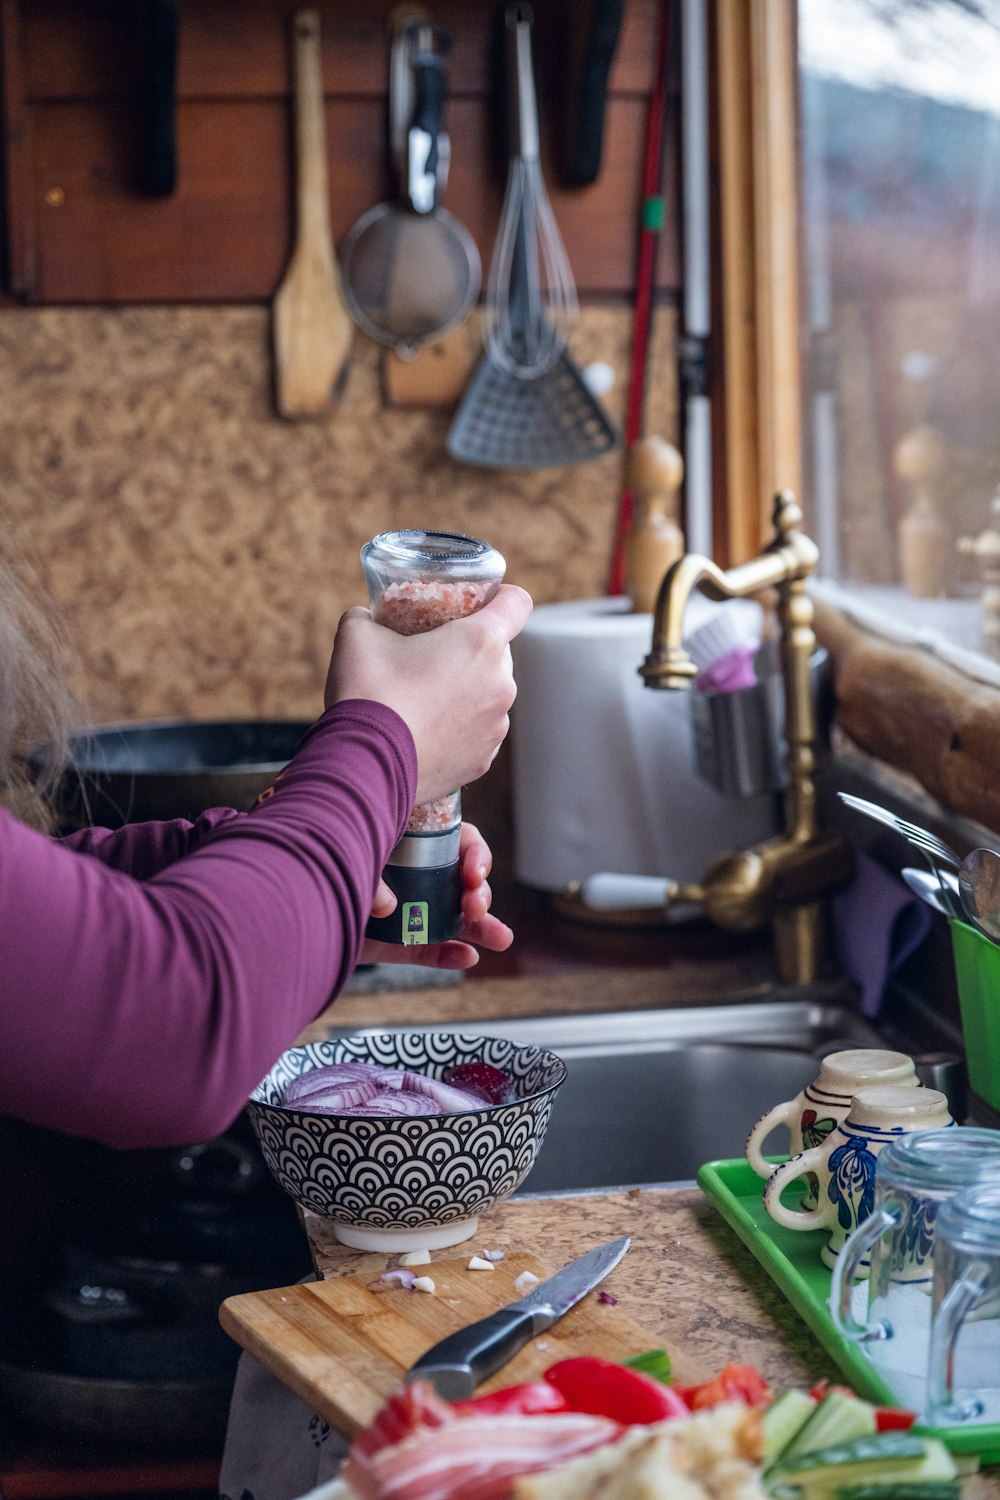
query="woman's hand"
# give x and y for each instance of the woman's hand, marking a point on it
(453, 686)
(480, 927)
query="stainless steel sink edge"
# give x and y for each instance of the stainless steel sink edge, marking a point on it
(786, 1024)
(675, 1185)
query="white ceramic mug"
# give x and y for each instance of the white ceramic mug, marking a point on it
(844, 1164)
(822, 1104)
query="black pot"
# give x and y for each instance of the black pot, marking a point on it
(128, 773)
(159, 1415)
(147, 1264)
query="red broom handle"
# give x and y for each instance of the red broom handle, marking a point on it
(649, 234)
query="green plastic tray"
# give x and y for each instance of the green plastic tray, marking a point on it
(791, 1259)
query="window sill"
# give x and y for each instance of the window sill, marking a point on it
(914, 703)
(946, 630)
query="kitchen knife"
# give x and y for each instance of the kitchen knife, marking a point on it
(457, 1364)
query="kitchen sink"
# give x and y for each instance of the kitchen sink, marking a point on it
(653, 1094)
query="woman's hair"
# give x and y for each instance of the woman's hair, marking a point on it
(38, 709)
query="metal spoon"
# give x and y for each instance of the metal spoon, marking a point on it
(940, 891)
(979, 887)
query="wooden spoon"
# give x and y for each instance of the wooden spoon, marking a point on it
(311, 326)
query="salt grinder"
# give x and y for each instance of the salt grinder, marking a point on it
(416, 581)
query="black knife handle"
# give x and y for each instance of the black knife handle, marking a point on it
(460, 1362)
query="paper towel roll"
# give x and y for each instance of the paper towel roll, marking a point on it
(603, 772)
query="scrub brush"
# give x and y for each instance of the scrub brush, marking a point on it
(723, 655)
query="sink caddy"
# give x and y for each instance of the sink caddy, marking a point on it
(792, 1261)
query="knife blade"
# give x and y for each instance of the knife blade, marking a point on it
(457, 1364)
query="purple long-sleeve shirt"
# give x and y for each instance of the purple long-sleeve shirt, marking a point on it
(150, 976)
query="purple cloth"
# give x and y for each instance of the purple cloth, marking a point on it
(877, 924)
(149, 977)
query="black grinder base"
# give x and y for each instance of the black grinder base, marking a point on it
(424, 873)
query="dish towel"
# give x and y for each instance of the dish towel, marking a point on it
(276, 1448)
(877, 924)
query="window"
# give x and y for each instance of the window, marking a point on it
(899, 201)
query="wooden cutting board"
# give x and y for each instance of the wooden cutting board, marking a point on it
(343, 1348)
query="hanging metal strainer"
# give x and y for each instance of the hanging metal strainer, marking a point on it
(411, 272)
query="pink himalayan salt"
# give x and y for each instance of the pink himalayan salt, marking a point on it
(416, 605)
(409, 608)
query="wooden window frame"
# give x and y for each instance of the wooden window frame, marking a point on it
(756, 358)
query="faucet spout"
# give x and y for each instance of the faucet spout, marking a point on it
(783, 878)
(791, 557)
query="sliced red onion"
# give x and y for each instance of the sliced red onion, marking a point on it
(336, 1101)
(395, 1102)
(333, 1075)
(448, 1099)
(494, 1255)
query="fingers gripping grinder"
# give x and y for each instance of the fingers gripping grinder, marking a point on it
(416, 581)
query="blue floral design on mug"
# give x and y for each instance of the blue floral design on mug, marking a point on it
(852, 1181)
(913, 1242)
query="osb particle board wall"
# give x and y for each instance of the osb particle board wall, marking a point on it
(203, 549)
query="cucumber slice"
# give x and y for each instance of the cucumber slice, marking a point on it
(783, 1419)
(919, 1489)
(886, 1461)
(836, 1419)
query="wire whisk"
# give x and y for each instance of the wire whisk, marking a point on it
(531, 304)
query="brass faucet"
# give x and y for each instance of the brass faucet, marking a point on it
(781, 880)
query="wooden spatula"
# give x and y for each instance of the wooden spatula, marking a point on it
(312, 328)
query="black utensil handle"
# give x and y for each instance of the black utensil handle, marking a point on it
(159, 164)
(588, 100)
(429, 86)
(483, 1348)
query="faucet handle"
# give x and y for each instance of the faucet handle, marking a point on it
(617, 892)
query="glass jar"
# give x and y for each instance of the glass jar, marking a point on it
(416, 581)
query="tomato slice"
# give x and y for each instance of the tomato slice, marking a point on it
(533, 1398)
(733, 1383)
(605, 1389)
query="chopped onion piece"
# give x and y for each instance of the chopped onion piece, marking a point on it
(607, 1299)
(399, 1277)
(478, 1264)
(525, 1282)
(415, 1258)
(424, 1284)
(494, 1255)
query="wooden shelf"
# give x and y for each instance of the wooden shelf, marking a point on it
(80, 229)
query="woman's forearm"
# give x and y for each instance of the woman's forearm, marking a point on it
(143, 1011)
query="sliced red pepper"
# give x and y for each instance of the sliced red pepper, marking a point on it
(605, 1389)
(733, 1383)
(534, 1397)
(893, 1419)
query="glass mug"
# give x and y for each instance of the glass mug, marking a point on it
(963, 1371)
(844, 1164)
(914, 1176)
(822, 1104)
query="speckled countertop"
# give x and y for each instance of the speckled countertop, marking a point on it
(690, 1282)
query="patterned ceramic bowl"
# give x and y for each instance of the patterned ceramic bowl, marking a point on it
(391, 1183)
